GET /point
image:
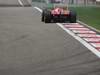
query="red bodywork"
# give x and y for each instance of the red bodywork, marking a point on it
(59, 11)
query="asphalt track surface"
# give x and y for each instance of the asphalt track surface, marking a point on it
(31, 47)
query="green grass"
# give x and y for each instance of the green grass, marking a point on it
(89, 15)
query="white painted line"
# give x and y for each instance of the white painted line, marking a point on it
(91, 48)
(70, 23)
(20, 2)
(81, 29)
(84, 32)
(92, 40)
(89, 35)
(74, 26)
(38, 9)
(96, 45)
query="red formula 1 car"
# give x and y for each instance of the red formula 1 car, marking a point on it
(58, 14)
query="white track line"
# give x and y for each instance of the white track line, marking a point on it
(74, 26)
(93, 40)
(83, 32)
(20, 2)
(91, 48)
(38, 9)
(89, 35)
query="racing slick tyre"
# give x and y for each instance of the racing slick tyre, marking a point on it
(73, 17)
(42, 17)
(47, 17)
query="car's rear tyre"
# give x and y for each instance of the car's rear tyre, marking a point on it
(47, 17)
(73, 17)
(46, 20)
(42, 18)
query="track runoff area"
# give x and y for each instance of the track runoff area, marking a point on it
(84, 35)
